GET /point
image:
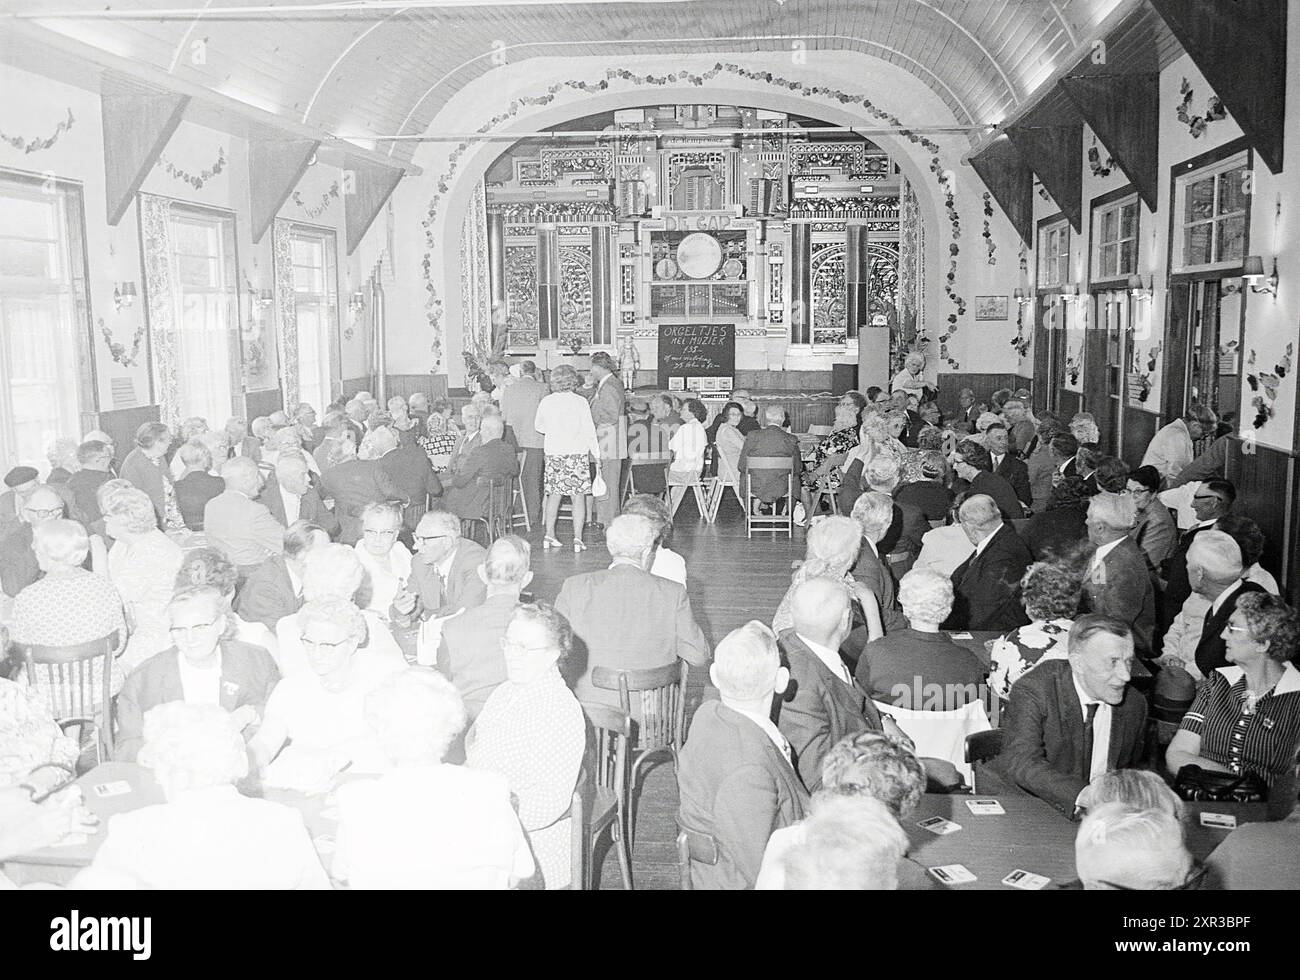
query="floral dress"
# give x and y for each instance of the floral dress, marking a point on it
(28, 735)
(836, 444)
(1017, 653)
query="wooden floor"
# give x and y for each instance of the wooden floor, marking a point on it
(732, 580)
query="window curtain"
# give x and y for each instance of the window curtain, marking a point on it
(475, 279)
(286, 313)
(164, 334)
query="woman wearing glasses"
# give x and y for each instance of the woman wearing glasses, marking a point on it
(203, 666)
(385, 559)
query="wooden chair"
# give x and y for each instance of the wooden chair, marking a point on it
(660, 721)
(67, 674)
(578, 810)
(656, 487)
(496, 520)
(774, 521)
(610, 736)
(822, 491)
(518, 502)
(981, 747)
(703, 490)
(820, 431)
(692, 846)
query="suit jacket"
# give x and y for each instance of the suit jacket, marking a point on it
(735, 785)
(986, 587)
(1121, 587)
(1003, 494)
(771, 440)
(519, 404)
(193, 491)
(247, 676)
(268, 595)
(628, 619)
(352, 484)
(1042, 751)
(909, 661)
(409, 469)
(1016, 473)
(1040, 467)
(310, 507)
(244, 529)
(905, 531)
(463, 589)
(146, 476)
(1211, 652)
(1156, 534)
(609, 413)
(470, 650)
(83, 485)
(914, 426)
(1210, 464)
(1177, 585)
(1053, 533)
(250, 446)
(817, 709)
(877, 576)
(932, 499)
(467, 497)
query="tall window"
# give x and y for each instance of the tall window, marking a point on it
(42, 263)
(1114, 237)
(1054, 254)
(316, 306)
(203, 263)
(1210, 211)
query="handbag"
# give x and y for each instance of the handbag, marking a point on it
(598, 488)
(1197, 785)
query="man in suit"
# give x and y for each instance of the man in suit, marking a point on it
(519, 403)
(773, 441)
(444, 572)
(1007, 465)
(1021, 430)
(874, 512)
(352, 484)
(470, 649)
(1065, 451)
(821, 704)
(273, 589)
(609, 412)
(1212, 500)
(1071, 720)
(735, 774)
(898, 402)
(901, 542)
(468, 490)
(973, 464)
(95, 458)
(1042, 464)
(968, 411)
(626, 617)
(986, 586)
(237, 523)
(290, 496)
(19, 567)
(1118, 583)
(241, 443)
(1214, 566)
(410, 471)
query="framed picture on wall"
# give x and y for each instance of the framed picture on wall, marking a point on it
(991, 307)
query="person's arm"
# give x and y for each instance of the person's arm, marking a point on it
(1024, 752)
(1185, 750)
(745, 812)
(691, 645)
(870, 610)
(267, 531)
(387, 487)
(270, 738)
(130, 718)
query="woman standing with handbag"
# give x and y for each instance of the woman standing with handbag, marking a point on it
(569, 444)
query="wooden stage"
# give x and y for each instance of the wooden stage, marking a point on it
(732, 580)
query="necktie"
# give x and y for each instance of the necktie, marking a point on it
(1088, 728)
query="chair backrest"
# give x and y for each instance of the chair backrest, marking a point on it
(579, 817)
(769, 463)
(820, 430)
(661, 697)
(942, 734)
(982, 746)
(611, 732)
(727, 471)
(692, 846)
(67, 674)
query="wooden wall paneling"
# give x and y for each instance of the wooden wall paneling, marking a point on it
(1055, 152)
(1124, 112)
(138, 120)
(366, 187)
(1260, 477)
(1140, 427)
(1068, 404)
(951, 384)
(1011, 182)
(433, 385)
(258, 403)
(121, 424)
(1096, 398)
(1174, 385)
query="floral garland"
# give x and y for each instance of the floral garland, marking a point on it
(433, 304)
(988, 234)
(36, 143)
(1214, 110)
(1094, 162)
(1073, 364)
(1024, 258)
(1021, 342)
(950, 279)
(1263, 401)
(1143, 378)
(195, 180)
(315, 212)
(118, 351)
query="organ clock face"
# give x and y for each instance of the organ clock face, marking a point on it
(698, 255)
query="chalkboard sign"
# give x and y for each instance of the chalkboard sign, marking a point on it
(696, 350)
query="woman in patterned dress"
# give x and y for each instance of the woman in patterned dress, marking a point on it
(831, 451)
(569, 442)
(532, 732)
(1050, 592)
(142, 565)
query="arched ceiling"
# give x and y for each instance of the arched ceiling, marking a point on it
(388, 69)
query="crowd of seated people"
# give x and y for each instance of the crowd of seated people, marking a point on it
(284, 603)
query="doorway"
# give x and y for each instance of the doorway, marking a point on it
(1104, 359)
(1204, 362)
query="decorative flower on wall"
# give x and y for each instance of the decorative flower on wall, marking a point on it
(202, 177)
(1094, 162)
(1021, 342)
(988, 233)
(38, 143)
(314, 211)
(1214, 111)
(1140, 378)
(1074, 363)
(118, 351)
(1265, 384)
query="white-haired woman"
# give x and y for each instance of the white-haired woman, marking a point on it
(142, 566)
(69, 605)
(826, 467)
(832, 550)
(315, 722)
(439, 443)
(207, 835)
(424, 823)
(911, 378)
(62, 455)
(569, 442)
(196, 485)
(1121, 848)
(189, 429)
(386, 560)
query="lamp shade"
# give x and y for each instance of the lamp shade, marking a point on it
(1135, 282)
(1252, 268)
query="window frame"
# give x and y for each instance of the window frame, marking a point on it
(1057, 227)
(328, 239)
(1107, 205)
(1227, 158)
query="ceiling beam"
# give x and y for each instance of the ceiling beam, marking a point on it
(1124, 112)
(274, 169)
(138, 121)
(1011, 183)
(1055, 153)
(1240, 48)
(366, 188)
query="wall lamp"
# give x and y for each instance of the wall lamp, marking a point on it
(1252, 270)
(124, 295)
(1070, 293)
(265, 297)
(357, 303)
(1023, 297)
(1140, 287)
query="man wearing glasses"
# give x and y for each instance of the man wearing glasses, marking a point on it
(18, 566)
(444, 573)
(1212, 500)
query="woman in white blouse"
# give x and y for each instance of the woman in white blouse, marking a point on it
(142, 566)
(386, 560)
(569, 443)
(688, 445)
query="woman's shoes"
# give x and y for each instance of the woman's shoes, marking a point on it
(549, 542)
(578, 545)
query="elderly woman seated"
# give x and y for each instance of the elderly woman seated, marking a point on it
(825, 468)
(142, 565)
(211, 567)
(319, 712)
(908, 666)
(1246, 716)
(190, 428)
(206, 836)
(1050, 591)
(667, 563)
(426, 824)
(440, 442)
(532, 732)
(205, 665)
(1131, 850)
(196, 485)
(832, 551)
(334, 573)
(386, 560)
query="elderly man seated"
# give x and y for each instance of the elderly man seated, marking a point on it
(195, 486)
(352, 482)
(1118, 582)
(468, 488)
(986, 586)
(1134, 850)
(736, 777)
(424, 823)
(1071, 720)
(273, 590)
(207, 835)
(95, 458)
(627, 618)
(236, 523)
(973, 466)
(18, 565)
(469, 651)
(772, 441)
(408, 466)
(290, 496)
(444, 572)
(901, 541)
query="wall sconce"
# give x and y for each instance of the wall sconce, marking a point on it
(1023, 297)
(356, 303)
(1140, 287)
(1070, 293)
(1252, 270)
(124, 295)
(265, 297)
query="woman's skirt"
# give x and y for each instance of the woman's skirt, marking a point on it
(567, 475)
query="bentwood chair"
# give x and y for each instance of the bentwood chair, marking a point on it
(693, 847)
(610, 733)
(67, 674)
(981, 747)
(776, 521)
(496, 514)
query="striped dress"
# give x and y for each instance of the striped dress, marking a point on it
(1259, 738)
